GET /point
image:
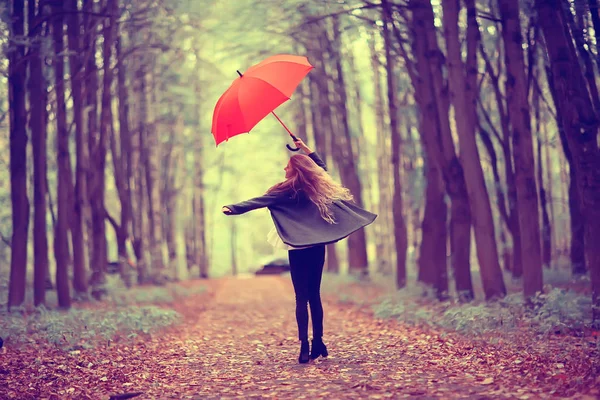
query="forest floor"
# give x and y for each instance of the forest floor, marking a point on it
(238, 340)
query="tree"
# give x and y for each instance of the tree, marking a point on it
(580, 123)
(17, 69)
(432, 98)
(511, 216)
(463, 97)
(63, 161)
(384, 204)
(343, 155)
(122, 159)
(37, 123)
(522, 146)
(80, 201)
(151, 158)
(400, 233)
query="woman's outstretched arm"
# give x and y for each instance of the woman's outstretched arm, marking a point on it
(252, 204)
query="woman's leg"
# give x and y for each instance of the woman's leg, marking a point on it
(315, 267)
(300, 276)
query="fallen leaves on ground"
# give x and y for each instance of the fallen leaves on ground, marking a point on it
(238, 340)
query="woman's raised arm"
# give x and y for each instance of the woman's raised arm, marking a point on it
(312, 154)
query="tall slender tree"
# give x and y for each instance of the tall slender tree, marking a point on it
(63, 161)
(17, 69)
(400, 233)
(342, 152)
(463, 96)
(430, 80)
(522, 146)
(80, 200)
(580, 123)
(152, 152)
(95, 172)
(37, 124)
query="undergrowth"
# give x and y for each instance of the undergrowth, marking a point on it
(123, 314)
(558, 310)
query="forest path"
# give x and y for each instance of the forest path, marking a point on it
(238, 340)
(244, 345)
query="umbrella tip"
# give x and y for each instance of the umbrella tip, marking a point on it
(238, 71)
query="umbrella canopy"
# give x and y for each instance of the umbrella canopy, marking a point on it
(256, 93)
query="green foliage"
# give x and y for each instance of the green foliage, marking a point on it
(557, 311)
(85, 328)
(561, 310)
(130, 313)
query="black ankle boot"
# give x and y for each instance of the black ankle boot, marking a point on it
(303, 358)
(318, 349)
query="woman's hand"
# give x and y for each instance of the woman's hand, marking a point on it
(300, 144)
(226, 210)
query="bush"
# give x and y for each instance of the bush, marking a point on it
(84, 328)
(559, 310)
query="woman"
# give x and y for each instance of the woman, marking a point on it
(309, 210)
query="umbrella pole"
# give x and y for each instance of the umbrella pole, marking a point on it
(286, 128)
(290, 148)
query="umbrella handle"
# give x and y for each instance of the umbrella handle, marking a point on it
(290, 148)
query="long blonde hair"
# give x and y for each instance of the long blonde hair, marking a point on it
(318, 185)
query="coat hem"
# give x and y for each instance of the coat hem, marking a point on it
(331, 241)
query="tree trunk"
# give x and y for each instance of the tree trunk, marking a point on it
(501, 204)
(462, 95)
(433, 264)
(382, 228)
(429, 60)
(106, 129)
(199, 215)
(136, 160)
(584, 55)
(594, 13)
(190, 255)
(580, 123)
(527, 198)
(400, 234)
(37, 123)
(577, 220)
(550, 179)
(18, 157)
(546, 228)
(358, 262)
(515, 231)
(96, 149)
(169, 217)
(432, 254)
(80, 201)
(152, 156)
(170, 165)
(123, 168)
(321, 124)
(61, 239)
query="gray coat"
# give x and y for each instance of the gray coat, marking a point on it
(298, 220)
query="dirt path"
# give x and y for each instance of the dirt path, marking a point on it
(244, 344)
(239, 341)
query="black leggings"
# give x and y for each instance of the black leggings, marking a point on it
(306, 267)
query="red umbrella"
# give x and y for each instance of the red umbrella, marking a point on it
(257, 93)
